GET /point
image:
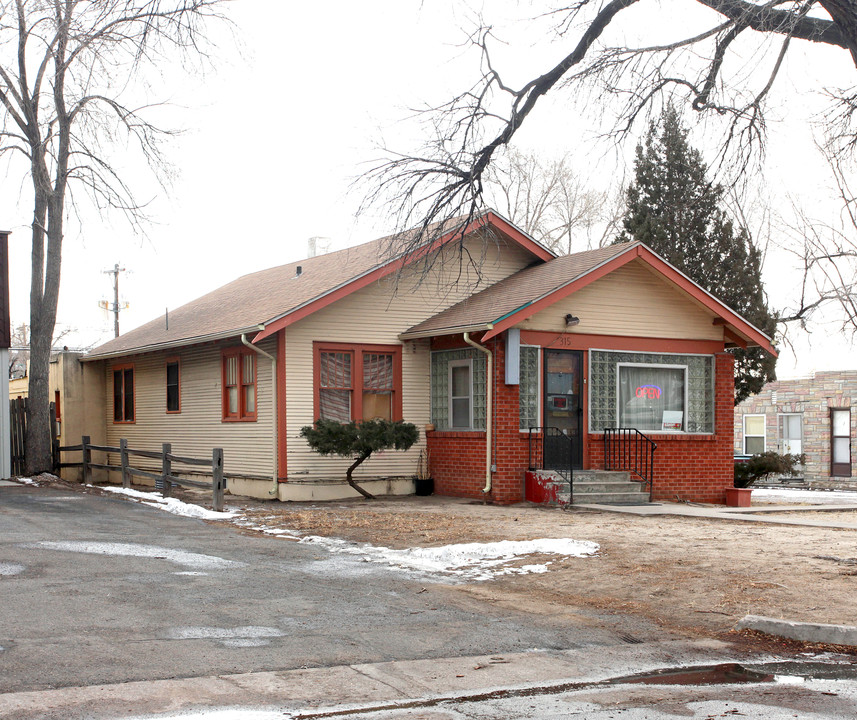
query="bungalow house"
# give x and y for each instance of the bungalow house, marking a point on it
(811, 416)
(480, 356)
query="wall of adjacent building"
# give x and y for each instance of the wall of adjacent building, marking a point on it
(811, 398)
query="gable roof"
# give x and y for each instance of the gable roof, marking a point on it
(264, 302)
(519, 296)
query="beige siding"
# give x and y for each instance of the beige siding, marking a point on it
(247, 446)
(374, 316)
(630, 301)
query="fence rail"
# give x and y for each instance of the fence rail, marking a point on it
(165, 479)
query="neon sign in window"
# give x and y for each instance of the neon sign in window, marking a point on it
(652, 392)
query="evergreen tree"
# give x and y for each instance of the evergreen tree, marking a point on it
(674, 209)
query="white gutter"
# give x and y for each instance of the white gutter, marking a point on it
(488, 395)
(276, 486)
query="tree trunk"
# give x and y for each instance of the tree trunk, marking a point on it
(364, 493)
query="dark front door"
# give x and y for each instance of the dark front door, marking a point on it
(563, 404)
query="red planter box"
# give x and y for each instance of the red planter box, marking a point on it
(738, 497)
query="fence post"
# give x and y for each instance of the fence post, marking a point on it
(55, 443)
(166, 470)
(218, 483)
(86, 458)
(123, 461)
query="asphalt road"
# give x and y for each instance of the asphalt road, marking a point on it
(101, 590)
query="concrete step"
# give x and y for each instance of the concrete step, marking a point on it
(605, 486)
(629, 498)
(601, 476)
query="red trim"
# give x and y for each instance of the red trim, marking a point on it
(121, 368)
(357, 351)
(583, 341)
(282, 428)
(736, 323)
(508, 230)
(57, 408)
(167, 362)
(734, 338)
(242, 415)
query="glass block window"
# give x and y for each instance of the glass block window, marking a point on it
(440, 388)
(604, 386)
(528, 398)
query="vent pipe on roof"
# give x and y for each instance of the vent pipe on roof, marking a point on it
(299, 271)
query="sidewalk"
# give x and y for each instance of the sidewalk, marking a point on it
(757, 514)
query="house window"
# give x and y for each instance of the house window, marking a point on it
(791, 434)
(358, 382)
(123, 394)
(461, 394)
(528, 388)
(442, 392)
(652, 397)
(173, 386)
(603, 398)
(239, 385)
(840, 442)
(754, 434)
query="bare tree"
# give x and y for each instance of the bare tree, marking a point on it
(550, 202)
(448, 176)
(66, 67)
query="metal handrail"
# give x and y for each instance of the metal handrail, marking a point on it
(630, 450)
(557, 453)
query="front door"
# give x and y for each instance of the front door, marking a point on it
(563, 404)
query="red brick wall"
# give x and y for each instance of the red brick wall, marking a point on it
(693, 467)
(687, 467)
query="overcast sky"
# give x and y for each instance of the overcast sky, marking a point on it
(295, 109)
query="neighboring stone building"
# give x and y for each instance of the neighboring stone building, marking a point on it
(810, 415)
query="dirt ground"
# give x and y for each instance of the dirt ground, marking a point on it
(694, 576)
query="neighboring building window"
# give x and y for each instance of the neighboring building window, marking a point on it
(604, 388)
(652, 397)
(754, 434)
(443, 392)
(123, 394)
(239, 385)
(173, 386)
(358, 382)
(528, 388)
(791, 433)
(461, 394)
(840, 442)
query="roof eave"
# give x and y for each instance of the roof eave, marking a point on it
(180, 342)
(454, 330)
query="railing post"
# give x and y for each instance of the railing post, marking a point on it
(218, 483)
(123, 461)
(166, 470)
(86, 458)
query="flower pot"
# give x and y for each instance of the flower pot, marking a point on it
(423, 486)
(738, 497)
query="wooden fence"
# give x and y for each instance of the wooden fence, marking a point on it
(164, 480)
(18, 430)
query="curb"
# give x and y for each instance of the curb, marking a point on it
(805, 632)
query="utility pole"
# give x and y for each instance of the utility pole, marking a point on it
(116, 307)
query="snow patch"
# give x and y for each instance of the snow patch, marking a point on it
(171, 505)
(473, 561)
(815, 497)
(247, 636)
(25, 481)
(10, 568)
(179, 557)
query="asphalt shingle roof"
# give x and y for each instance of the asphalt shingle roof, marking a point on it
(517, 290)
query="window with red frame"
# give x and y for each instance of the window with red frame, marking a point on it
(239, 385)
(357, 382)
(123, 394)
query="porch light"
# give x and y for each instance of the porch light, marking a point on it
(571, 320)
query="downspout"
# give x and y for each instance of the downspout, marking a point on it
(489, 391)
(276, 486)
